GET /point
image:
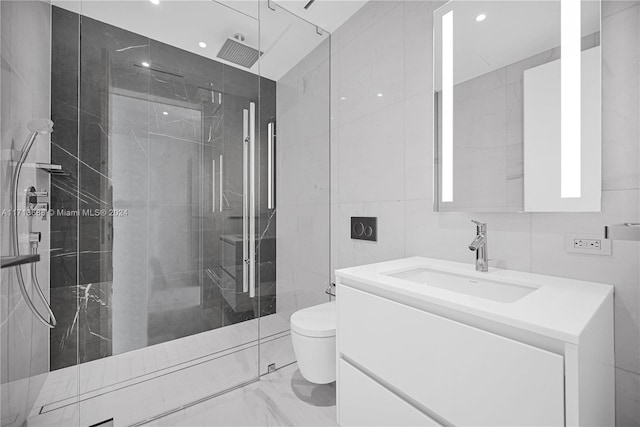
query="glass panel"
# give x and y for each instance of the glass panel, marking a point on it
(151, 218)
(147, 277)
(26, 90)
(294, 175)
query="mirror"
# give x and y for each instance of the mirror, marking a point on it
(517, 106)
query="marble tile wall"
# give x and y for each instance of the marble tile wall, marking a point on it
(386, 48)
(24, 95)
(145, 140)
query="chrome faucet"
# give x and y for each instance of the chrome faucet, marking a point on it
(479, 245)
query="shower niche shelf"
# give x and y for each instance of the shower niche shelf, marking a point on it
(47, 167)
(10, 261)
(50, 168)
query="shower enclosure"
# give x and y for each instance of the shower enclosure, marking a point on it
(187, 191)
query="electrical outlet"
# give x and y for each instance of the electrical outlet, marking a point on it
(587, 243)
(593, 244)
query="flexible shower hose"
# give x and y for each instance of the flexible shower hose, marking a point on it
(34, 248)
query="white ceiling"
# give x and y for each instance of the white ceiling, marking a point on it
(284, 38)
(512, 31)
(327, 14)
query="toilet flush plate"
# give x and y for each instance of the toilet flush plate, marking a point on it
(364, 228)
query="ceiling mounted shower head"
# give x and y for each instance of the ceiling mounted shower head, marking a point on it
(40, 126)
(237, 52)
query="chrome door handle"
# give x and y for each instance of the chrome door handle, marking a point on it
(271, 199)
(252, 199)
(245, 200)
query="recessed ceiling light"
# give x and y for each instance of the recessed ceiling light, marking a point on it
(145, 64)
(481, 17)
(165, 113)
(155, 1)
(379, 95)
(202, 44)
(342, 98)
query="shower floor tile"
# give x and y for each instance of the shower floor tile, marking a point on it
(282, 398)
(138, 385)
(122, 370)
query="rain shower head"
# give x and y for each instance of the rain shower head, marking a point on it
(40, 126)
(233, 50)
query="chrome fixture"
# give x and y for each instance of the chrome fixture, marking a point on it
(235, 50)
(331, 290)
(213, 186)
(479, 245)
(35, 205)
(249, 200)
(37, 127)
(625, 231)
(271, 167)
(221, 183)
(52, 169)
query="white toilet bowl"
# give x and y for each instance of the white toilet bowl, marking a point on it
(313, 334)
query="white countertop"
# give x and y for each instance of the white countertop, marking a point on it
(560, 308)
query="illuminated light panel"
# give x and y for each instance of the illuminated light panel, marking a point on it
(570, 101)
(447, 107)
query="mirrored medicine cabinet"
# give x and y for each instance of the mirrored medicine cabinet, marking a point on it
(517, 106)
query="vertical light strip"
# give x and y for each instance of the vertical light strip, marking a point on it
(213, 185)
(221, 181)
(270, 166)
(245, 201)
(447, 107)
(570, 101)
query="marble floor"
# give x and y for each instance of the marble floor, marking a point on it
(282, 398)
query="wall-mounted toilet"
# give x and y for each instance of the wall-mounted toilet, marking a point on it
(313, 334)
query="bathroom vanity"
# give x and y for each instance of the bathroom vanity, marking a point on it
(423, 341)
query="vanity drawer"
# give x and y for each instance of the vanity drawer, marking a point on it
(364, 402)
(464, 375)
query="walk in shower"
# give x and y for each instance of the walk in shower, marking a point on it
(182, 201)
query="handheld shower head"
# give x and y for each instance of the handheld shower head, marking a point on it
(40, 126)
(36, 127)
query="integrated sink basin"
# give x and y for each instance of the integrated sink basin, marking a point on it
(483, 288)
(423, 325)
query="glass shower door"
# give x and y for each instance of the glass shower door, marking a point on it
(25, 95)
(168, 310)
(294, 179)
(160, 252)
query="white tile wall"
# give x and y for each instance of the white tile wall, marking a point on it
(302, 191)
(369, 148)
(387, 46)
